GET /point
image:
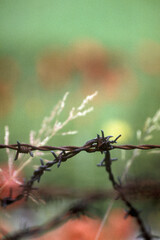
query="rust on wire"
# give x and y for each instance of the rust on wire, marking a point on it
(117, 185)
(90, 146)
(100, 144)
(22, 149)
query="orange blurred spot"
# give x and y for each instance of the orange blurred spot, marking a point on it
(119, 228)
(8, 182)
(104, 71)
(54, 68)
(84, 228)
(4, 229)
(90, 59)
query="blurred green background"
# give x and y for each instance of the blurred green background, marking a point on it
(50, 47)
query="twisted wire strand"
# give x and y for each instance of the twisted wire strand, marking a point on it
(100, 144)
(72, 148)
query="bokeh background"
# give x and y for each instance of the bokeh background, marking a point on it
(50, 47)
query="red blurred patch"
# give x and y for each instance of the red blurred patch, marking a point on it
(4, 229)
(84, 228)
(104, 71)
(90, 59)
(8, 182)
(54, 68)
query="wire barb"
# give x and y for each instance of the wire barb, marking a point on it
(22, 149)
(100, 144)
(117, 185)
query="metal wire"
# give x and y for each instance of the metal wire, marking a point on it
(100, 144)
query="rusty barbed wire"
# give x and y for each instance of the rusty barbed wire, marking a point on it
(79, 208)
(29, 148)
(99, 144)
(117, 185)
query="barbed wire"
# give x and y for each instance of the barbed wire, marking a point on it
(117, 185)
(139, 189)
(99, 144)
(80, 208)
(27, 148)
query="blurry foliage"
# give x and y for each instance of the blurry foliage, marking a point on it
(48, 49)
(51, 47)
